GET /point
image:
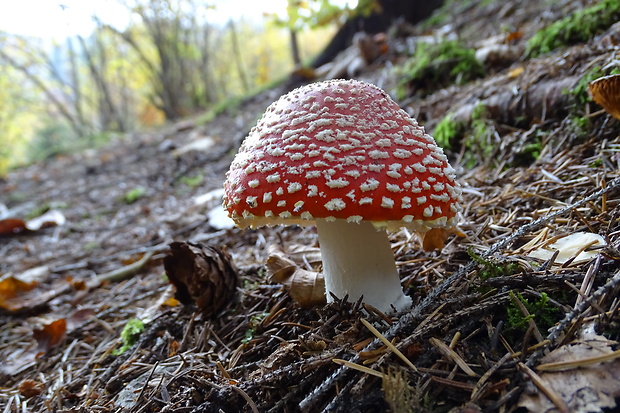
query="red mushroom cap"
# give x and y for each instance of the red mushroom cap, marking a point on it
(340, 149)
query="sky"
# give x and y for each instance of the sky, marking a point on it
(61, 18)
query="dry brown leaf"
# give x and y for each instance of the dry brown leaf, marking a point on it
(11, 291)
(514, 35)
(171, 302)
(11, 226)
(303, 254)
(306, 288)
(435, 238)
(585, 387)
(49, 336)
(30, 388)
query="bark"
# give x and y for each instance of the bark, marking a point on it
(295, 48)
(538, 101)
(412, 11)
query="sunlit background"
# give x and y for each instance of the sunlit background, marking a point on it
(76, 73)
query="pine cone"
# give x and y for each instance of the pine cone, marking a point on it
(203, 275)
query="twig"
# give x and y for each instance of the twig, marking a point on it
(120, 273)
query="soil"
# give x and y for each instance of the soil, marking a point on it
(471, 346)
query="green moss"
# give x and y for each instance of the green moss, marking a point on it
(532, 150)
(130, 334)
(579, 126)
(580, 90)
(434, 66)
(543, 314)
(491, 268)
(192, 181)
(133, 195)
(596, 163)
(529, 151)
(479, 143)
(479, 120)
(255, 321)
(577, 27)
(448, 131)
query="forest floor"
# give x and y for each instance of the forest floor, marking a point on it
(541, 162)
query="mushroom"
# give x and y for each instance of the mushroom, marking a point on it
(604, 91)
(342, 155)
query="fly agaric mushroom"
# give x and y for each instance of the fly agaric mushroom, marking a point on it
(342, 155)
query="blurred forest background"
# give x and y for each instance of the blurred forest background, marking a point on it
(172, 59)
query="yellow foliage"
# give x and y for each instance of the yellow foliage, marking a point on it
(151, 116)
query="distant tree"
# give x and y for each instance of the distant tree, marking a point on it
(173, 44)
(38, 67)
(304, 14)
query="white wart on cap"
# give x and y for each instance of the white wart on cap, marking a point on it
(341, 151)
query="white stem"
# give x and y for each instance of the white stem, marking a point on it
(358, 261)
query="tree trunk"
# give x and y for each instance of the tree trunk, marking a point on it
(412, 11)
(295, 48)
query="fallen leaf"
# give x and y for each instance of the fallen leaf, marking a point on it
(435, 238)
(11, 289)
(51, 218)
(30, 388)
(19, 293)
(584, 387)
(10, 226)
(49, 336)
(79, 317)
(171, 302)
(202, 144)
(573, 245)
(306, 288)
(516, 72)
(514, 35)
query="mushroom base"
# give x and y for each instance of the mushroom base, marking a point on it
(358, 261)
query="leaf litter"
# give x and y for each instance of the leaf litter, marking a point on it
(264, 352)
